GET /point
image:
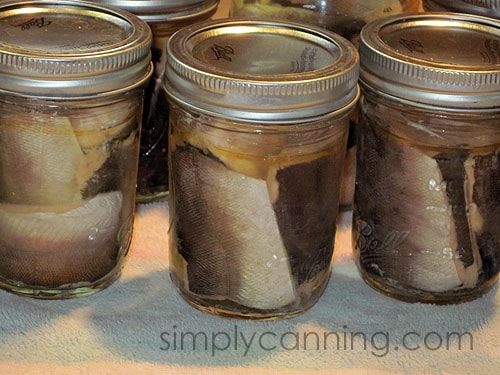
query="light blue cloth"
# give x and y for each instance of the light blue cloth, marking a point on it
(140, 325)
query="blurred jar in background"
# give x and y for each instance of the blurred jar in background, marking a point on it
(344, 17)
(164, 18)
(488, 8)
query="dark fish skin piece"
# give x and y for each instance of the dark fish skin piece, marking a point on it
(115, 172)
(369, 217)
(152, 175)
(306, 211)
(193, 207)
(453, 172)
(486, 195)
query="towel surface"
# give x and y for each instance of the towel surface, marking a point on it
(140, 325)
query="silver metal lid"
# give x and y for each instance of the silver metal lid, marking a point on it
(165, 10)
(64, 49)
(261, 70)
(441, 59)
(489, 8)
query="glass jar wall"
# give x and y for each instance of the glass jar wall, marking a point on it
(345, 17)
(255, 210)
(427, 207)
(71, 97)
(67, 192)
(488, 8)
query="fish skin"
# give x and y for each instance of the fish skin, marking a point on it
(204, 253)
(458, 176)
(306, 212)
(453, 171)
(227, 233)
(486, 195)
(403, 223)
(54, 248)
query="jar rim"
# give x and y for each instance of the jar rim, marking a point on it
(268, 122)
(152, 11)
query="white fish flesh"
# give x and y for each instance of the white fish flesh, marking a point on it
(38, 160)
(49, 159)
(52, 247)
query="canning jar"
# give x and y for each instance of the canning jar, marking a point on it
(488, 8)
(258, 125)
(164, 18)
(71, 88)
(427, 200)
(345, 17)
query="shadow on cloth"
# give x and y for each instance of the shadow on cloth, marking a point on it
(141, 318)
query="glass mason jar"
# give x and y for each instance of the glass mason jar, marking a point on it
(258, 124)
(427, 201)
(164, 18)
(488, 8)
(71, 89)
(345, 17)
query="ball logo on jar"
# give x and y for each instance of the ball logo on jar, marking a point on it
(367, 240)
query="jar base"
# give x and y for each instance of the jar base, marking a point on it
(228, 309)
(231, 310)
(69, 291)
(405, 293)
